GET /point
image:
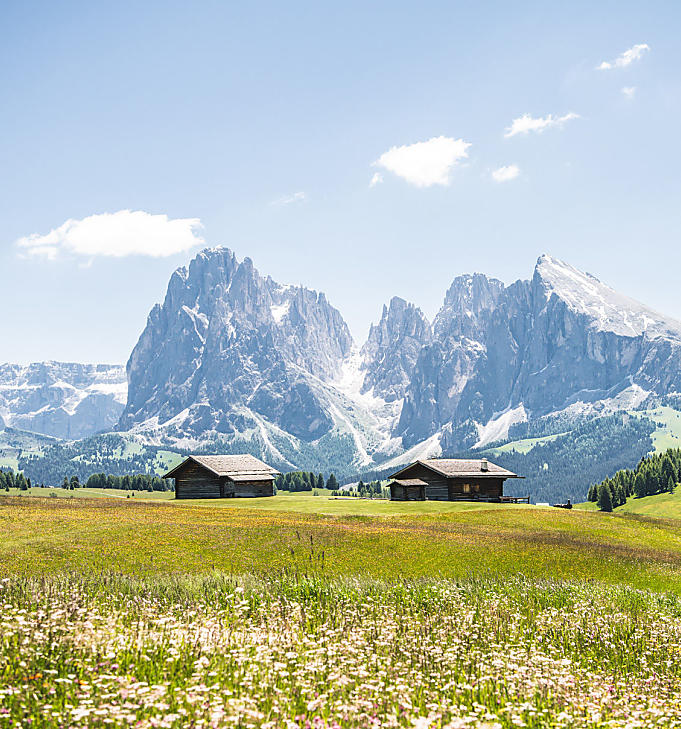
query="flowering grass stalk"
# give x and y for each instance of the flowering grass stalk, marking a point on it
(292, 651)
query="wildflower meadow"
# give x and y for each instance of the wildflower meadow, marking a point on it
(315, 640)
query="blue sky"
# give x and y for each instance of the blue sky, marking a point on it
(267, 123)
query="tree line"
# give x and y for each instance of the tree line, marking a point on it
(370, 490)
(10, 480)
(304, 481)
(654, 474)
(137, 482)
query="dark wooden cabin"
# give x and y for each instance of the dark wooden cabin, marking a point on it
(221, 477)
(450, 479)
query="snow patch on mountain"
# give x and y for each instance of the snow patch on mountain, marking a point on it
(428, 448)
(279, 311)
(497, 427)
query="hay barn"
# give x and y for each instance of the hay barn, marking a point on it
(222, 477)
(451, 479)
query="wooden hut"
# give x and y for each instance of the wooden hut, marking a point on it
(451, 479)
(220, 477)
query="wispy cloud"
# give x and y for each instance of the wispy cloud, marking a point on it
(625, 59)
(296, 197)
(505, 174)
(125, 233)
(629, 91)
(424, 163)
(376, 179)
(526, 123)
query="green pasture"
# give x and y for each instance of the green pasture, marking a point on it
(48, 535)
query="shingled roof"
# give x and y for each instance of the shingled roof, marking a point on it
(238, 468)
(462, 468)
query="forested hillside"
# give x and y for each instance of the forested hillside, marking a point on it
(565, 467)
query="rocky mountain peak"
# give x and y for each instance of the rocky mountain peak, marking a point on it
(228, 340)
(392, 348)
(469, 299)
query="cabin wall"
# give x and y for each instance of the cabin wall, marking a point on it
(488, 488)
(195, 482)
(436, 490)
(252, 489)
(440, 488)
(397, 492)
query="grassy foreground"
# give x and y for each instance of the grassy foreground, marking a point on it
(118, 612)
(309, 652)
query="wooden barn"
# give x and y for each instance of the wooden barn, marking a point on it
(222, 477)
(451, 479)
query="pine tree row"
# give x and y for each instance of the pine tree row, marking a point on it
(654, 474)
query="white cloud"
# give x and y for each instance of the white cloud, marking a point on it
(288, 199)
(504, 174)
(376, 179)
(424, 163)
(525, 124)
(629, 91)
(125, 233)
(626, 58)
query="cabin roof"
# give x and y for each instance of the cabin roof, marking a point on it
(409, 482)
(244, 467)
(461, 468)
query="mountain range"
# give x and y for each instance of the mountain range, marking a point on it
(232, 360)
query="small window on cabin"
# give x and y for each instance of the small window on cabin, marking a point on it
(476, 487)
(466, 488)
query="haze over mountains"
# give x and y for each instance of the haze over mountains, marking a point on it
(234, 360)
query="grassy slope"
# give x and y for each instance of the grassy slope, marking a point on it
(668, 431)
(52, 535)
(302, 502)
(524, 445)
(662, 506)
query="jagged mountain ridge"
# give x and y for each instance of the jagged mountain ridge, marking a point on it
(62, 399)
(562, 339)
(235, 353)
(231, 353)
(232, 360)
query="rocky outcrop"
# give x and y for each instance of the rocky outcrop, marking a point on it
(538, 346)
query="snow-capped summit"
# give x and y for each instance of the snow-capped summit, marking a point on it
(607, 309)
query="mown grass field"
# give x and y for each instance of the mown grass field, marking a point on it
(156, 613)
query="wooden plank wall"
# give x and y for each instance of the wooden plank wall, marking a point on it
(252, 489)
(195, 482)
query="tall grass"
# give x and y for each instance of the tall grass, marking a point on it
(309, 651)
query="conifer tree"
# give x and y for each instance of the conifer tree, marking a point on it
(332, 483)
(640, 488)
(604, 498)
(670, 485)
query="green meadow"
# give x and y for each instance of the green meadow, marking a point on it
(313, 612)
(375, 538)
